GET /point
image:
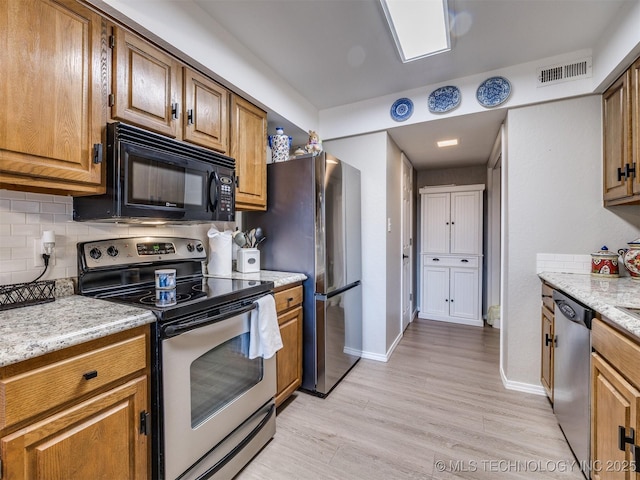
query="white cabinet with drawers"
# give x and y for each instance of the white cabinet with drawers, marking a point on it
(451, 254)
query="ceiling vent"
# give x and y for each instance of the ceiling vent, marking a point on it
(564, 72)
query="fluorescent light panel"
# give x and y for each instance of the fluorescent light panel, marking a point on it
(447, 143)
(420, 28)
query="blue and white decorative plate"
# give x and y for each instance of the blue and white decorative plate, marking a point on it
(444, 99)
(493, 92)
(401, 109)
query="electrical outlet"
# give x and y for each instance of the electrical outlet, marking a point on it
(38, 250)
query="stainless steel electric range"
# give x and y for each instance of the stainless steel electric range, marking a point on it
(212, 407)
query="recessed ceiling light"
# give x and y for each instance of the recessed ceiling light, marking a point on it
(420, 28)
(447, 143)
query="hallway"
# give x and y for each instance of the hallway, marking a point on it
(437, 410)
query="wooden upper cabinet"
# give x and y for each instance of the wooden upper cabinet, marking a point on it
(249, 148)
(616, 109)
(147, 84)
(621, 122)
(53, 86)
(206, 112)
(635, 124)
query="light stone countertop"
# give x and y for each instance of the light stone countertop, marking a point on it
(28, 332)
(38, 329)
(279, 279)
(602, 294)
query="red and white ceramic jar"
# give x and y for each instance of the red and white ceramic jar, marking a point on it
(604, 263)
(631, 258)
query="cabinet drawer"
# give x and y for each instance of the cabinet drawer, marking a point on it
(288, 298)
(432, 260)
(619, 350)
(36, 391)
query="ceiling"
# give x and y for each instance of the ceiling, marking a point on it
(336, 52)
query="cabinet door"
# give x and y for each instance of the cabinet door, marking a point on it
(616, 115)
(98, 439)
(466, 223)
(206, 112)
(435, 222)
(635, 124)
(53, 96)
(463, 294)
(615, 403)
(435, 291)
(147, 85)
(546, 370)
(289, 357)
(249, 148)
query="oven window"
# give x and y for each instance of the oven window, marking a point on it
(220, 376)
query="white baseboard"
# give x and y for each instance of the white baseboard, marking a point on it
(382, 357)
(475, 322)
(521, 386)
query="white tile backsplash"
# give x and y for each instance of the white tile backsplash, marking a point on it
(563, 263)
(24, 216)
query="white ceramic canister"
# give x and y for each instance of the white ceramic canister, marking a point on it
(280, 145)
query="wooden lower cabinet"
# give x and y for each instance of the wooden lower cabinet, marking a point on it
(547, 340)
(289, 357)
(96, 439)
(91, 424)
(615, 405)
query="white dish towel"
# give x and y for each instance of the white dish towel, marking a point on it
(264, 333)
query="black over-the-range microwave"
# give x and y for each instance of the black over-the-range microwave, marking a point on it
(156, 179)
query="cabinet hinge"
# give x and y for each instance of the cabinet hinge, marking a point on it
(144, 422)
(111, 99)
(97, 153)
(112, 41)
(630, 170)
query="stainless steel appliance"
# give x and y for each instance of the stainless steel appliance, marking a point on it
(212, 406)
(571, 374)
(313, 226)
(153, 178)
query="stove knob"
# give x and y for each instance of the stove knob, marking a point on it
(112, 251)
(95, 253)
(190, 247)
(199, 247)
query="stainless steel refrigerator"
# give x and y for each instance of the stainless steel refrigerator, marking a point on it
(312, 225)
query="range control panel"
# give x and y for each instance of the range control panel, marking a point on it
(127, 251)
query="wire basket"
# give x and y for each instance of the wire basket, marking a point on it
(25, 294)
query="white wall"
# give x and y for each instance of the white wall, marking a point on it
(553, 204)
(369, 154)
(24, 216)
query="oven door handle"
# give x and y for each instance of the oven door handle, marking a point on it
(179, 328)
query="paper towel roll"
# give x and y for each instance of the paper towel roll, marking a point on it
(220, 252)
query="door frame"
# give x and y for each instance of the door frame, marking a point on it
(407, 304)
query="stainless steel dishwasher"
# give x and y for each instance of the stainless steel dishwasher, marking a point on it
(572, 358)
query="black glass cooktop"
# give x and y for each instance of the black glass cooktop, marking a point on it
(190, 295)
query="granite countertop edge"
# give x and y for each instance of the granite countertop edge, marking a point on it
(279, 279)
(604, 295)
(36, 330)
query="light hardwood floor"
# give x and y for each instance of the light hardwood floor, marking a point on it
(437, 410)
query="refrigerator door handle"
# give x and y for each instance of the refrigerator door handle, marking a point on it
(337, 291)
